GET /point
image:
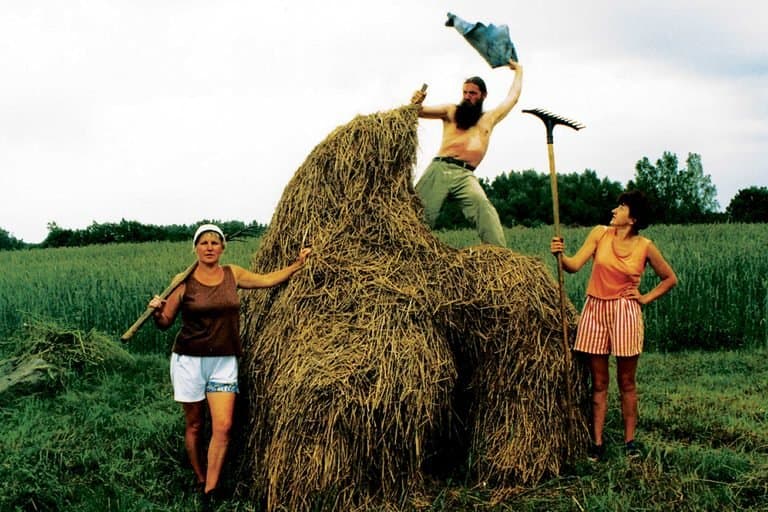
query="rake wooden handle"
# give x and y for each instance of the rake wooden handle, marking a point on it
(164, 295)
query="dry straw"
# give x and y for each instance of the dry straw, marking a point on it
(392, 359)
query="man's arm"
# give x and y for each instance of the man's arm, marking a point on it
(500, 112)
(437, 112)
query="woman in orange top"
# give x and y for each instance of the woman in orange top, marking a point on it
(611, 321)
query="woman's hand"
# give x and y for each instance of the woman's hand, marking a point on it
(633, 294)
(157, 303)
(557, 245)
(303, 255)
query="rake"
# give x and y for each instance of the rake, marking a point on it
(551, 120)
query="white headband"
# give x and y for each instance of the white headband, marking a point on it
(204, 229)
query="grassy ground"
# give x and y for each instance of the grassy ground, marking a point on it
(112, 440)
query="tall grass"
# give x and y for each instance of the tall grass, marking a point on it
(721, 301)
(105, 287)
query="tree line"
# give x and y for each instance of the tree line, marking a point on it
(678, 195)
(128, 231)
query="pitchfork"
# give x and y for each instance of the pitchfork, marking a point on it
(550, 121)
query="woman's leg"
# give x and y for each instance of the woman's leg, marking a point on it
(193, 416)
(598, 367)
(626, 368)
(222, 407)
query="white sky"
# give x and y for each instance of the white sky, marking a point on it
(172, 111)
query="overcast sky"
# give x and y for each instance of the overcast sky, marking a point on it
(173, 111)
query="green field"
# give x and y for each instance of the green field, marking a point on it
(109, 437)
(721, 301)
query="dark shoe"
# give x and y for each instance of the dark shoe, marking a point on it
(633, 450)
(209, 500)
(596, 452)
(205, 503)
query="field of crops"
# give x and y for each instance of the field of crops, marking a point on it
(720, 302)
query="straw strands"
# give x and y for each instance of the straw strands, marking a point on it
(391, 357)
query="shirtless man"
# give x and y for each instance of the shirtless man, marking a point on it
(466, 134)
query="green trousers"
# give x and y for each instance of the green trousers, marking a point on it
(442, 179)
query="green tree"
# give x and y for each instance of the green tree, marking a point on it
(676, 195)
(696, 193)
(526, 198)
(60, 237)
(132, 231)
(749, 205)
(9, 242)
(585, 199)
(520, 197)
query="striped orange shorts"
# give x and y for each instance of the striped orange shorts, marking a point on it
(613, 326)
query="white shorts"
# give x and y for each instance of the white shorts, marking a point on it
(193, 376)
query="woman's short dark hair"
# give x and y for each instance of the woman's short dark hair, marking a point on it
(479, 82)
(638, 207)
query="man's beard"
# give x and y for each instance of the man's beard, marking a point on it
(468, 114)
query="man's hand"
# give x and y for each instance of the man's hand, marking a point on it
(418, 97)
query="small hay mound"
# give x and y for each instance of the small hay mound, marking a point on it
(511, 335)
(46, 354)
(389, 349)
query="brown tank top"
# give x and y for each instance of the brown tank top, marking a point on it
(210, 318)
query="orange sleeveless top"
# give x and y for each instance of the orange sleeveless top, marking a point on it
(612, 271)
(210, 318)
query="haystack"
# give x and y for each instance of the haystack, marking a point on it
(391, 356)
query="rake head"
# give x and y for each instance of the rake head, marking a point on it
(246, 232)
(551, 120)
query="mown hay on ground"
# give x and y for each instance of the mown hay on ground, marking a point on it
(392, 356)
(47, 355)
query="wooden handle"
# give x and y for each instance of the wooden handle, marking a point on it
(164, 295)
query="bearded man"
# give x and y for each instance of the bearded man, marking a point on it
(466, 135)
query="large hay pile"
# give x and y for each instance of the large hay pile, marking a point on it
(391, 355)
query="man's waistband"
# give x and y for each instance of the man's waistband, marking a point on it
(454, 161)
